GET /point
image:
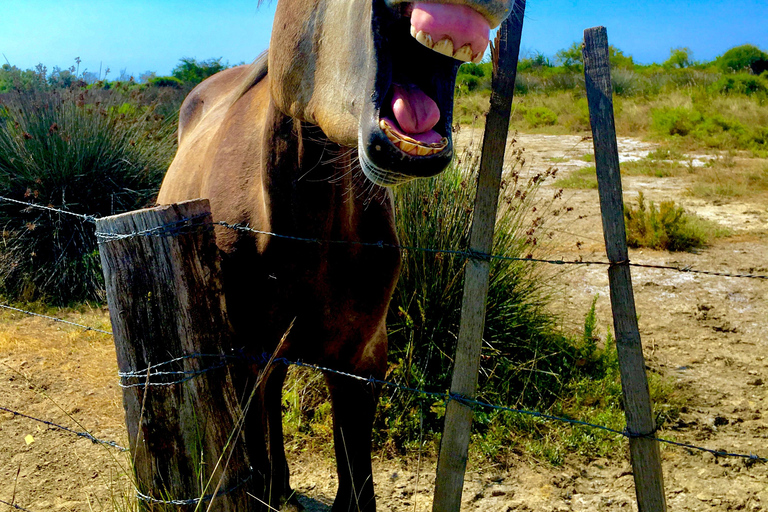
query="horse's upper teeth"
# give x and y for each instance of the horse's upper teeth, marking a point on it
(409, 145)
(445, 46)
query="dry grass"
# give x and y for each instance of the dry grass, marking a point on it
(84, 360)
(728, 178)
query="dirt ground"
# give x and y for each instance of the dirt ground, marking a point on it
(706, 332)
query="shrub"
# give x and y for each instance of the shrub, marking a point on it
(743, 58)
(79, 151)
(540, 116)
(667, 227)
(166, 81)
(524, 355)
(679, 58)
(193, 72)
(741, 83)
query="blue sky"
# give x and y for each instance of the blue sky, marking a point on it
(142, 35)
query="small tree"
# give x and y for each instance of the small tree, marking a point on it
(618, 59)
(571, 57)
(189, 70)
(679, 58)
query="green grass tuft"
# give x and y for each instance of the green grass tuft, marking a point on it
(584, 178)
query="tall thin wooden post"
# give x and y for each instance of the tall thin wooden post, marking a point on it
(165, 298)
(644, 452)
(452, 462)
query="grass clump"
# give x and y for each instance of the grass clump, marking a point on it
(721, 179)
(86, 152)
(526, 360)
(667, 227)
(583, 178)
(652, 168)
(540, 116)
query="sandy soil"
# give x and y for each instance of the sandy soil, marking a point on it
(706, 332)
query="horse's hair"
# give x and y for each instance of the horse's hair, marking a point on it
(257, 70)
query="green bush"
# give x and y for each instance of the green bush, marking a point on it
(166, 81)
(741, 83)
(711, 129)
(540, 116)
(526, 360)
(744, 58)
(87, 152)
(667, 227)
(193, 72)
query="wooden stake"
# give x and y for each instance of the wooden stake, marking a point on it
(166, 302)
(452, 462)
(646, 459)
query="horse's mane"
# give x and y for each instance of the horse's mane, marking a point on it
(256, 71)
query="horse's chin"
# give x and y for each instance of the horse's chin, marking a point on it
(385, 164)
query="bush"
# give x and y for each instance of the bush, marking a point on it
(711, 129)
(193, 72)
(667, 227)
(744, 58)
(525, 358)
(166, 81)
(81, 151)
(741, 83)
(540, 116)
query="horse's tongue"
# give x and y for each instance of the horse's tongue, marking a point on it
(415, 112)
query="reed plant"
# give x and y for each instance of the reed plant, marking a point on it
(86, 152)
(526, 359)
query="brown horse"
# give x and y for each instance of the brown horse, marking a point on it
(358, 96)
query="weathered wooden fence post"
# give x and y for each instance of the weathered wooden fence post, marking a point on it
(644, 452)
(452, 461)
(166, 304)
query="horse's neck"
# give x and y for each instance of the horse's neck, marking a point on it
(317, 187)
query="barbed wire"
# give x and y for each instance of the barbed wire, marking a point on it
(470, 402)
(85, 435)
(194, 501)
(481, 255)
(17, 507)
(86, 218)
(184, 225)
(54, 319)
(186, 375)
(179, 227)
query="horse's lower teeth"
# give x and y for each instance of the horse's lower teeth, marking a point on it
(412, 146)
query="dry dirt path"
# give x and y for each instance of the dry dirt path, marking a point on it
(706, 333)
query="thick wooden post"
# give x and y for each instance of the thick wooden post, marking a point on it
(646, 459)
(166, 303)
(452, 462)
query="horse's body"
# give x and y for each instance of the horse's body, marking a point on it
(282, 151)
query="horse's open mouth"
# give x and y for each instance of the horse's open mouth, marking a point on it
(406, 132)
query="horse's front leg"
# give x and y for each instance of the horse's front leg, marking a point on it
(264, 437)
(354, 406)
